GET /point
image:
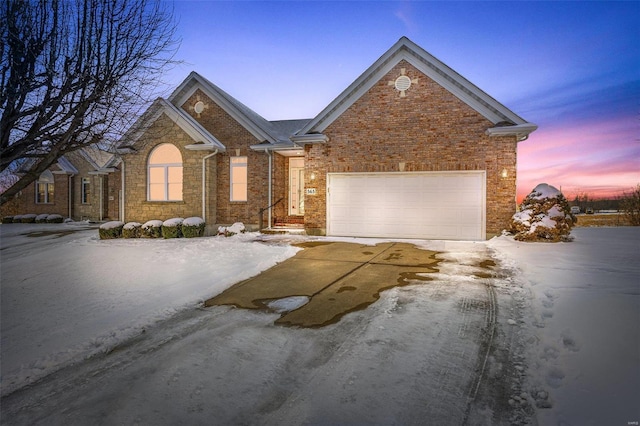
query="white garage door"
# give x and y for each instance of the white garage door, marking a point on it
(430, 205)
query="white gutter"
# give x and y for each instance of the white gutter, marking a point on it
(204, 183)
(520, 130)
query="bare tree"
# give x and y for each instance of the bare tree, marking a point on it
(75, 73)
(630, 204)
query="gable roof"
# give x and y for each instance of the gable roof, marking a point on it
(257, 125)
(204, 140)
(405, 49)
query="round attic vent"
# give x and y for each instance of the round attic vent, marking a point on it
(198, 107)
(402, 83)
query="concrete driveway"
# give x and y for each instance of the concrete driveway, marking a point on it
(439, 347)
(334, 278)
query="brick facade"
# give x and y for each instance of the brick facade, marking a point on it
(70, 184)
(220, 210)
(429, 129)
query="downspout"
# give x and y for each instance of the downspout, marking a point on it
(204, 183)
(70, 193)
(122, 179)
(101, 195)
(270, 154)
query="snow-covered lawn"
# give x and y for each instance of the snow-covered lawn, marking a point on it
(67, 297)
(583, 324)
(569, 311)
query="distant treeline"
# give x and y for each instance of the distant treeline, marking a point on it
(583, 201)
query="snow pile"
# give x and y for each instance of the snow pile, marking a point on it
(545, 215)
(152, 224)
(112, 225)
(228, 231)
(172, 223)
(193, 221)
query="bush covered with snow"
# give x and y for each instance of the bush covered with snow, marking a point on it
(56, 218)
(234, 229)
(172, 228)
(193, 227)
(7, 219)
(111, 230)
(152, 229)
(132, 230)
(42, 218)
(17, 218)
(28, 218)
(545, 215)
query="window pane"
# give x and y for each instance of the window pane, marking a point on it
(40, 187)
(156, 192)
(156, 175)
(165, 154)
(238, 179)
(175, 175)
(239, 175)
(50, 193)
(175, 191)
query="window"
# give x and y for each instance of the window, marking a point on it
(238, 181)
(44, 188)
(85, 190)
(165, 174)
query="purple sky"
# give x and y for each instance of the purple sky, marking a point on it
(573, 68)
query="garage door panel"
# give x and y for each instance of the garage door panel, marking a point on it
(436, 205)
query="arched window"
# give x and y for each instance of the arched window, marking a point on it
(164, 174)
(44, 188)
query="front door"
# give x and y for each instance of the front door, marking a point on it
(296, 186)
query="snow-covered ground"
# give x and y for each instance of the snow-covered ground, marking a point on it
(569, 312)
(67, 297)
(583, 325)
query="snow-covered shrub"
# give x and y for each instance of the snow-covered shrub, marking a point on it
(56, 218)
(42, 218)
(172, 228)
(7, 219)
(193, 227)
(234, 229)
(28, 218)
(545, 215)
(111, 230)
(132, 230)
(17, 218)
(152, 229)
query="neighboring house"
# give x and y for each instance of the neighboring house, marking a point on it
(410, 149)
(81, 185)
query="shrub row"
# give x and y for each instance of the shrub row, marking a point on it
(32, 218)
(173, 228)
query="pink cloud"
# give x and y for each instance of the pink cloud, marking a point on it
(601, 159)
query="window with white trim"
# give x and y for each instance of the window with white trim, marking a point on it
(238, 179)
(85, 190)
(44, 188)
(164, 174)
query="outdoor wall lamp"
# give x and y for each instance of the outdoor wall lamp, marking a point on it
(504, 174)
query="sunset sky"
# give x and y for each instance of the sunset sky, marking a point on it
(573, 68)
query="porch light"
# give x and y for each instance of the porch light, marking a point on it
(504, 174)
(313, 176)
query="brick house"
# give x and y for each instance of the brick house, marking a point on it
(410, 149)
(81, 185)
